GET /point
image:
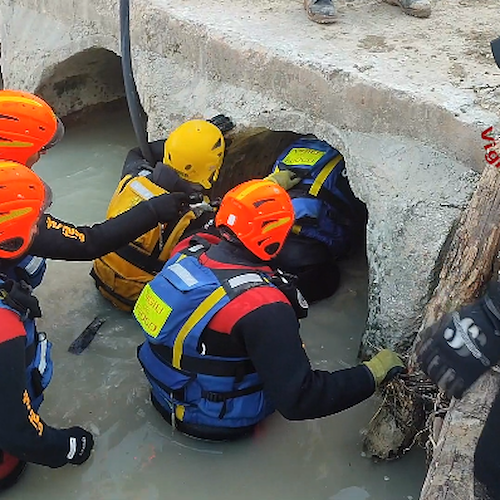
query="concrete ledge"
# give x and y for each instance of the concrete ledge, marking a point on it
(377, 70)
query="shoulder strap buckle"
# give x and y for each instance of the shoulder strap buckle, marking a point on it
(197, 246)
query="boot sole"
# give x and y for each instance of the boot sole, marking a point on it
(318, 18)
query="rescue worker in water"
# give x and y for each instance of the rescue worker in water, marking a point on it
(25, 363)
(222, 348)
(188, 161)
(330, 220)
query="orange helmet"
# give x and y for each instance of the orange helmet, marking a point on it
(28, 125)
(260, 214)
(23, 198)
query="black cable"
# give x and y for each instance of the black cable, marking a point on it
(137, 113)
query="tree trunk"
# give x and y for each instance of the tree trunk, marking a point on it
(466, 268)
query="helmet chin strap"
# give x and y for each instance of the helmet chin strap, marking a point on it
(228, 235)
(239, 247)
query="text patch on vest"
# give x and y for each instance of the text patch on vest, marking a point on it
(303, 156)
(151, 312)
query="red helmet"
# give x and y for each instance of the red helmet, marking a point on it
(260, 214)
(28, 125)
(23, 198)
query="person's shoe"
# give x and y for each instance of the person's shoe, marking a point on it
(417, 8)
(321, 11)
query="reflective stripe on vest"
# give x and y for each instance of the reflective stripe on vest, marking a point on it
(30, 269)
(320, 180)
(33, 265)
(201, 311)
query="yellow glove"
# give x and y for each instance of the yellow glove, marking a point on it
(284, 178)
(385, 366)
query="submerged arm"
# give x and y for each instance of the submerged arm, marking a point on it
(271, 335)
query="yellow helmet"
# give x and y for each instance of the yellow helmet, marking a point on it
(195, 150)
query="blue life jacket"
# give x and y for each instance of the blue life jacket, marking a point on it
(188, 383)
(39, 366)
(325, 206)
(30, 269)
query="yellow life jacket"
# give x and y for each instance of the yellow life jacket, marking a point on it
(120, 276)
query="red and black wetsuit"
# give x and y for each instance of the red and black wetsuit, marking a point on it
(262, 323)
(23, 434)
(56, 240)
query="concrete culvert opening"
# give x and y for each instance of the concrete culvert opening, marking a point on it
(87, 79)
(104, 389)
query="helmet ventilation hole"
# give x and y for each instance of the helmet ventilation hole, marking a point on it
(259, 203)
(272, 249)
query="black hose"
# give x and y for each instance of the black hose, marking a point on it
(137, 113)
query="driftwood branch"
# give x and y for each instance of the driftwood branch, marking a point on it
(451, 472)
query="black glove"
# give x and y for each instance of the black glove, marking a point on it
(80, 444)
(459, 348)
(287, 284)
(167, 178)
(169, 207)
(222, 122)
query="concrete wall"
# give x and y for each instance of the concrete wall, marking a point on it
(408, 153)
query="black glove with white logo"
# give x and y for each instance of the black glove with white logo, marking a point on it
(80, 444)
(459, 348)
(222, 122)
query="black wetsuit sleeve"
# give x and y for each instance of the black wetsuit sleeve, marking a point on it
(271, 336)
(135, 162)
(59, 240)
(23, 433)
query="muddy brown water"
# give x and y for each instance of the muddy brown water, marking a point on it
(137, 456)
